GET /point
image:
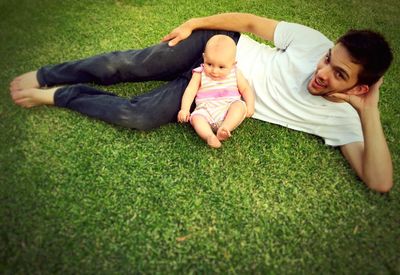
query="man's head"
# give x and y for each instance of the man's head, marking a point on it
(371, 51)
(219, 56)
(358, 60)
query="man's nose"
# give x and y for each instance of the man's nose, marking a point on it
(324, 72)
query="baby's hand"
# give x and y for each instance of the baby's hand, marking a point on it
(183, 116)
(250, 111)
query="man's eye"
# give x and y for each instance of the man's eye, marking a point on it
(339, 75)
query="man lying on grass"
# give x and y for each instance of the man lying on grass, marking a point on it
(306, 83)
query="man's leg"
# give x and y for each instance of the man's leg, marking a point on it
(142, 112)
(147, 111)
(159, 62)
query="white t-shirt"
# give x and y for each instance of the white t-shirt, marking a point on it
(279, 77)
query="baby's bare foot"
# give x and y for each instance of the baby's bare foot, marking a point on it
(213, 141)
(223, 134)
(25, 81)
(33, 97)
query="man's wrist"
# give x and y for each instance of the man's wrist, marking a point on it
(192, 24)
(368, 112)
(370, 121)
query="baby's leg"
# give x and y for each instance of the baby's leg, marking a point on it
(203, 129)
(235, 116)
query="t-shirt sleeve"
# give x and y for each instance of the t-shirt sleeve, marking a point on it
(198, 69)
(347, 134)
(300, 39)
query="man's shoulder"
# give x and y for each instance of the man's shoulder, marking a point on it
(288, 34)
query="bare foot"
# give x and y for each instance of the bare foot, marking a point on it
(213, 141)
(25, 81)
(33, 97)
(223, 134)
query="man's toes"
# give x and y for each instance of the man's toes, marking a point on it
(14, 86)
(21, 102)
(14, 89)
(18, 95)
(14, 95)
(21, 99)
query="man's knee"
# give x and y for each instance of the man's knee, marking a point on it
(134, 117)
(101, 69)
(137, 122)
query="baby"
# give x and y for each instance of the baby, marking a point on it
(219, 88)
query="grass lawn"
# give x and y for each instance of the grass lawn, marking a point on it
(81, 196)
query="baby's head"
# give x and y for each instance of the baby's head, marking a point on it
(219, 56)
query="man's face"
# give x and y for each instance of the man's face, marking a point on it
(335, 73)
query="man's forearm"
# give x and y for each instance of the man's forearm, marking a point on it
(240, 22)
(226, 21)
(377, 168)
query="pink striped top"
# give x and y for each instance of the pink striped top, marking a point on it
(210, 88)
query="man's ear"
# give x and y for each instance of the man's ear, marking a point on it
(359, 90)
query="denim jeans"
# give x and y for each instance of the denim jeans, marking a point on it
(150, 110)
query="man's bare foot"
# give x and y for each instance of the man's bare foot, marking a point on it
(213, 141)
(223, 134)
(25, 81)
(33, 97)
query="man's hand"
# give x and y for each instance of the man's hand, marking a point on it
(371, 159)
(364, 101)
(178, 34)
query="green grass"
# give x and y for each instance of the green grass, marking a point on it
(81, 196)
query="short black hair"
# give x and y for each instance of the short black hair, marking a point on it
(369, 49)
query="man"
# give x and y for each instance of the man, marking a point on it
(306, 83)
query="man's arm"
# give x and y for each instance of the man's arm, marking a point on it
(240, 22)
(371, 159)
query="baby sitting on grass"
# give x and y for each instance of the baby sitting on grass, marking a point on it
(219, 88)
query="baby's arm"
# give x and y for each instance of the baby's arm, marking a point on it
(188, 97)
(246, 92)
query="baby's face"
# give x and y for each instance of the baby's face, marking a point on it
(218, 65)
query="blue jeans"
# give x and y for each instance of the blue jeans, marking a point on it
(159, 62)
